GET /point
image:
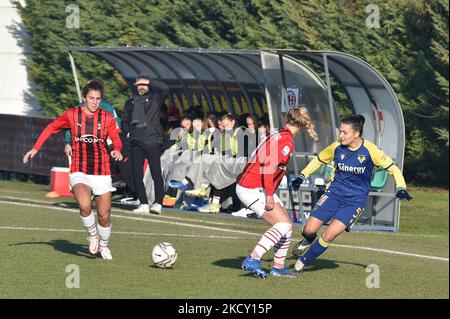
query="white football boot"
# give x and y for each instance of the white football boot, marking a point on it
(213, 208)
(156, 208)
(242, 212)
(299, 265)
(142, 209)
(93, 244)
(105, 252)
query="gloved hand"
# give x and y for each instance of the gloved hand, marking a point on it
(403, 194)
(296, 182)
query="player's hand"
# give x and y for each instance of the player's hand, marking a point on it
(296, 182)
(68, 150)
(29, 154)
(269, 203)
(403, 194)
(117, 155)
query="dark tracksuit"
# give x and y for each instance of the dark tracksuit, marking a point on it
(141, 124)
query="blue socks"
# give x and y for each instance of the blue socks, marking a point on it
(316, 249)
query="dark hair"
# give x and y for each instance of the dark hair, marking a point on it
(229, 117)
(213, 118)
(143, 76)
(356, 121)
(93, 85)
(254, 119)
(185, 117)
(197, 113)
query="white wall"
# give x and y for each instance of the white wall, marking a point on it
(15, 86)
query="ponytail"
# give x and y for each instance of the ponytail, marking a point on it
(299, 116)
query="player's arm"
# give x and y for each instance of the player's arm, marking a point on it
(54, 127)
(161, 89)
(324, 157)
(114, 134)
(271, 156)
(267, 169)
(381, 159)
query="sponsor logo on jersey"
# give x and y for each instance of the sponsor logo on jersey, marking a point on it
(88, 138)
(361, 158)
(351, 169)
(286, 150)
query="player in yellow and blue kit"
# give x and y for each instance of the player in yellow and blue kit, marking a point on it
(346, 196)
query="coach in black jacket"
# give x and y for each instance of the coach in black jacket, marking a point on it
(142, 126)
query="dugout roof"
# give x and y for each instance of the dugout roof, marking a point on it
(256, 81)
(272, 81)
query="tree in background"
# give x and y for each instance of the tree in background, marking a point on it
(410, 49)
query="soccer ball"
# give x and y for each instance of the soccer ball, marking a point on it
(164, 255)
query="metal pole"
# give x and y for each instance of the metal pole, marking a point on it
(75, 76)
(267, 92)
(330, 96)
(286, 104)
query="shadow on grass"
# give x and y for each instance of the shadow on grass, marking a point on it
(318, 264)
(64, 246)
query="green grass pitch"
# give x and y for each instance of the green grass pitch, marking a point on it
(40, 238)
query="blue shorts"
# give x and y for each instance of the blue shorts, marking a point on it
(328, 207)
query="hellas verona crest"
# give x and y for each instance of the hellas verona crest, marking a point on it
(361, 158)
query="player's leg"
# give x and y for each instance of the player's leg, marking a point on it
(322, 212)
(103, 203)
(344, 219)
(102, 188)
(82, 194)
(154, 161)
(138, 158)
(254, 199)
(281, 250)
(281, 227)
(320, 246)
(309, 233)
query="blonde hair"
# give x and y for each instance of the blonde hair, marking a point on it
(299, 116)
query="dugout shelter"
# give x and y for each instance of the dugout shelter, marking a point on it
(272, 81)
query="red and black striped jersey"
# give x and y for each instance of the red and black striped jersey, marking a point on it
(89, 134)
(269, 161)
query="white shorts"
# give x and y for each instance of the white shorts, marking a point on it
(255, 198)
(99, 184)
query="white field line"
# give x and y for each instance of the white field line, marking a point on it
(66, 230)
(70, 210)
(67, 210)
(391, 252)
(125, 211)
(129, 212)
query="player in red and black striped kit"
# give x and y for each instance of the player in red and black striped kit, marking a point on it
(256, 190)
(90, 126)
